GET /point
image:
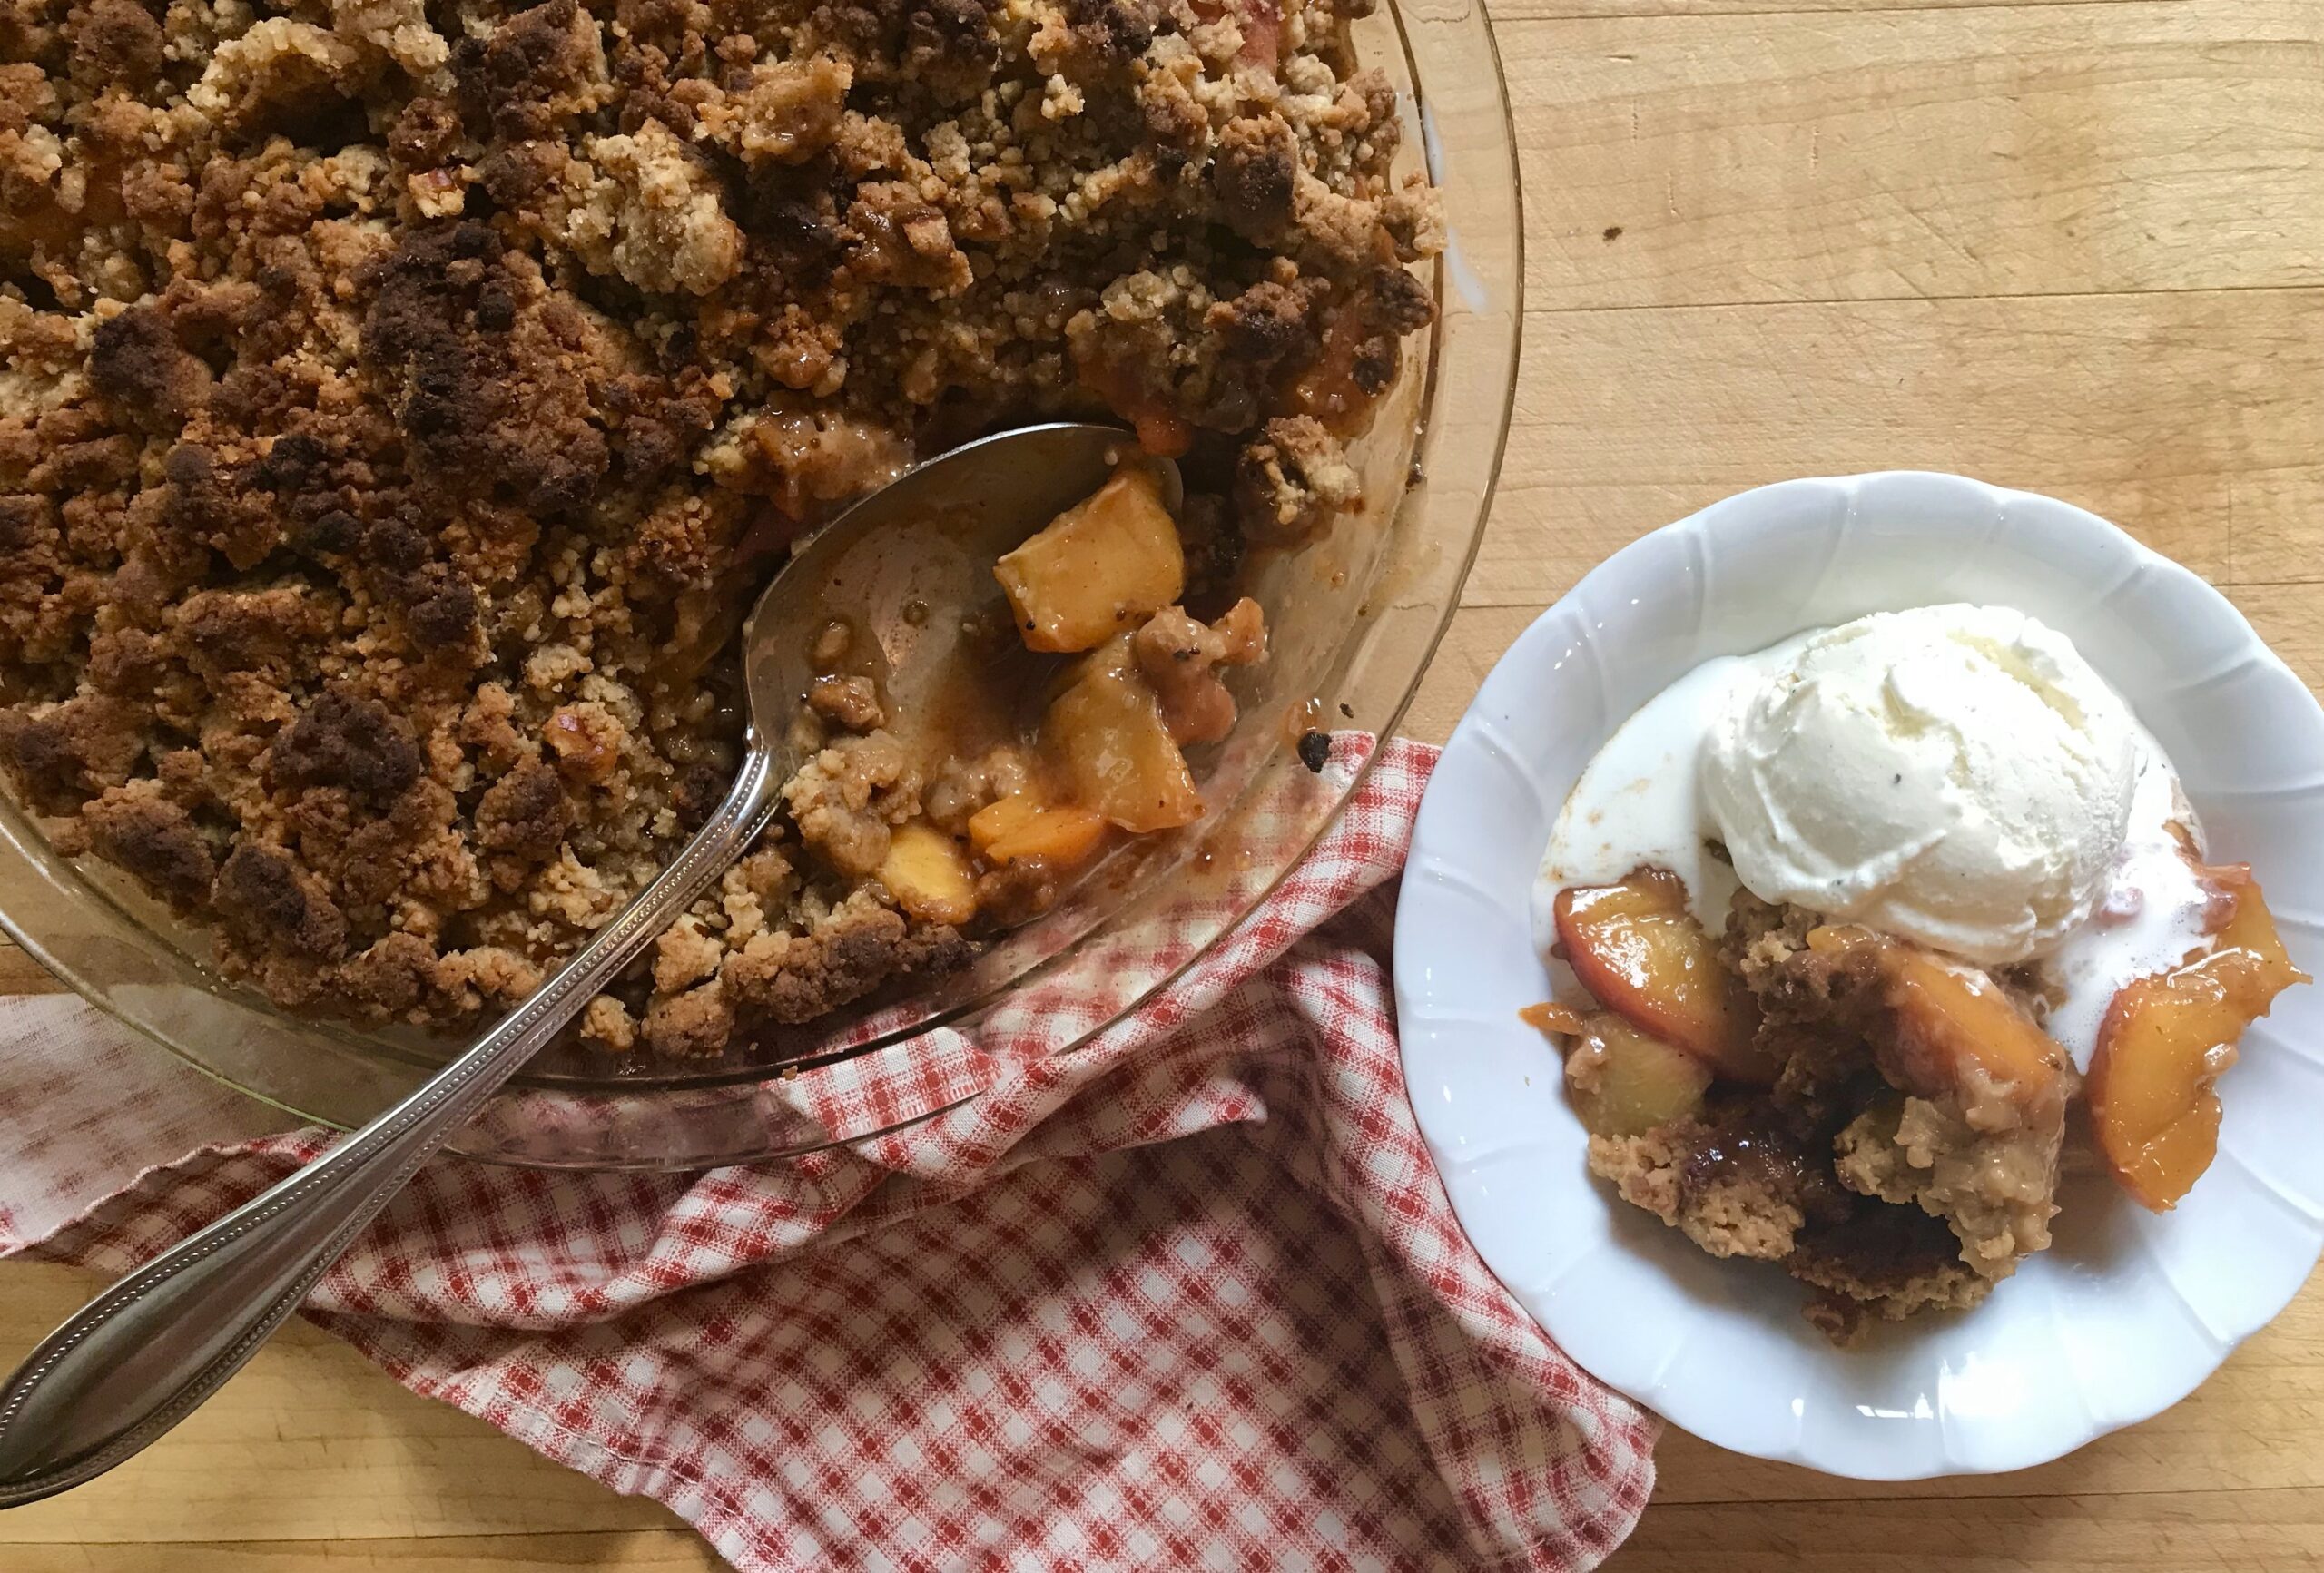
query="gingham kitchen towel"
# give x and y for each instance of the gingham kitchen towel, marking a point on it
(1188, 1297)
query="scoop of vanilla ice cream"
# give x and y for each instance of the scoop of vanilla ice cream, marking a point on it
(1954, 774)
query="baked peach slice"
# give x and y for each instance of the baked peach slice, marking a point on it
(929, 874)
(1622, 1082)
(1116, 754)
(1100, 568)
(1022, 826)
(2166, 1040)
(1642, 956)
(1951, 1029)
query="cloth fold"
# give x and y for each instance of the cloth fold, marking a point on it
(1189, 1295)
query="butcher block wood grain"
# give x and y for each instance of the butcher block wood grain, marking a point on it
(2071, 246)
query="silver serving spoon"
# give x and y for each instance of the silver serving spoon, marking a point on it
(901, 564)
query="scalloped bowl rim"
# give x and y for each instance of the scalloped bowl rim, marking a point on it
(2129, 1312)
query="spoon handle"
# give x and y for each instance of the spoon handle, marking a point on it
(143, 1354)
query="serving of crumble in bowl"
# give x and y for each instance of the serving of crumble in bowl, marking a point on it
(2050, 1278)
(400, 405)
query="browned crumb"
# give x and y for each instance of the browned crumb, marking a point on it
(1886, 1196)
(1180, 658)
(155, 839)
(691, 1025)
(843, 954)
(964, 785)
(1986, 1164)
(1740, 1183)
(1293, 478)
(852, 703)
(846, 798)
(1884, 1263)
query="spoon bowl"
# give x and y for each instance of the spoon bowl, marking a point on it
(911, 566)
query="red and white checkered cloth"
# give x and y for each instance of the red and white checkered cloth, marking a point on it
(1190, 1296)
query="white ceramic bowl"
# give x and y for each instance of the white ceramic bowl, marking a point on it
(2127, 1311)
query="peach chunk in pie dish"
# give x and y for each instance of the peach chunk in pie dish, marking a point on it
(1869, 933)
(400, 407)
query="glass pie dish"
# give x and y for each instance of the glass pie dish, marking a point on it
(1354, 615)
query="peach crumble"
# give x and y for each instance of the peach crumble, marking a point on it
(1884, 1122)
(1927, 907)
(400, 401)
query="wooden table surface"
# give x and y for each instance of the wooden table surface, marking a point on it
(2068, 246)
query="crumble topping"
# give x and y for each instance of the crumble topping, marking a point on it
(1932, 1132)
(1888, 1188)
(400, 399)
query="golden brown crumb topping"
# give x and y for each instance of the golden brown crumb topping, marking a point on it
(399, 399)
(1887, 1169)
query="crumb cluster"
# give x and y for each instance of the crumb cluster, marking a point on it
(1885, 1192)
(400, 401)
